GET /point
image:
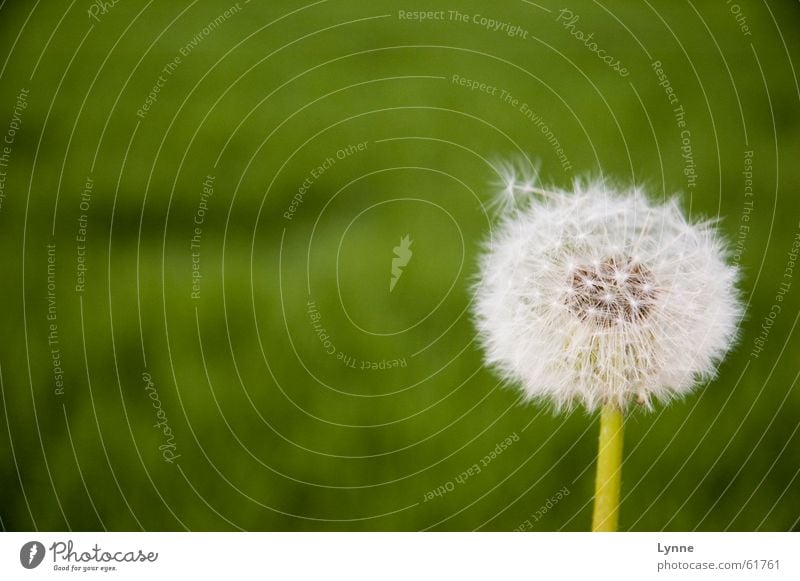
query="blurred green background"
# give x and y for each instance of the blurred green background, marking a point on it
(368, 409)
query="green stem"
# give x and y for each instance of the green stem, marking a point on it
(609, 470)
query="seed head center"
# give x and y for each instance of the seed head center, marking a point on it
(611, 292)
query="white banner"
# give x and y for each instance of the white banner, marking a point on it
(400, 556)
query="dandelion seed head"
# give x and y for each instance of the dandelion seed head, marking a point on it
(597, 296)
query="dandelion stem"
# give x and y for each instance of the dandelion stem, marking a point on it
(609, 470)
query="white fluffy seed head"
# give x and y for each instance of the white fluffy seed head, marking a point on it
(598, 296)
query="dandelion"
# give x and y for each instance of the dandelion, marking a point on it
(604, 298)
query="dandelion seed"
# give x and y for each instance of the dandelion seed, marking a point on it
(672, 277)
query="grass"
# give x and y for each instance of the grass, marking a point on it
(273, 432)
